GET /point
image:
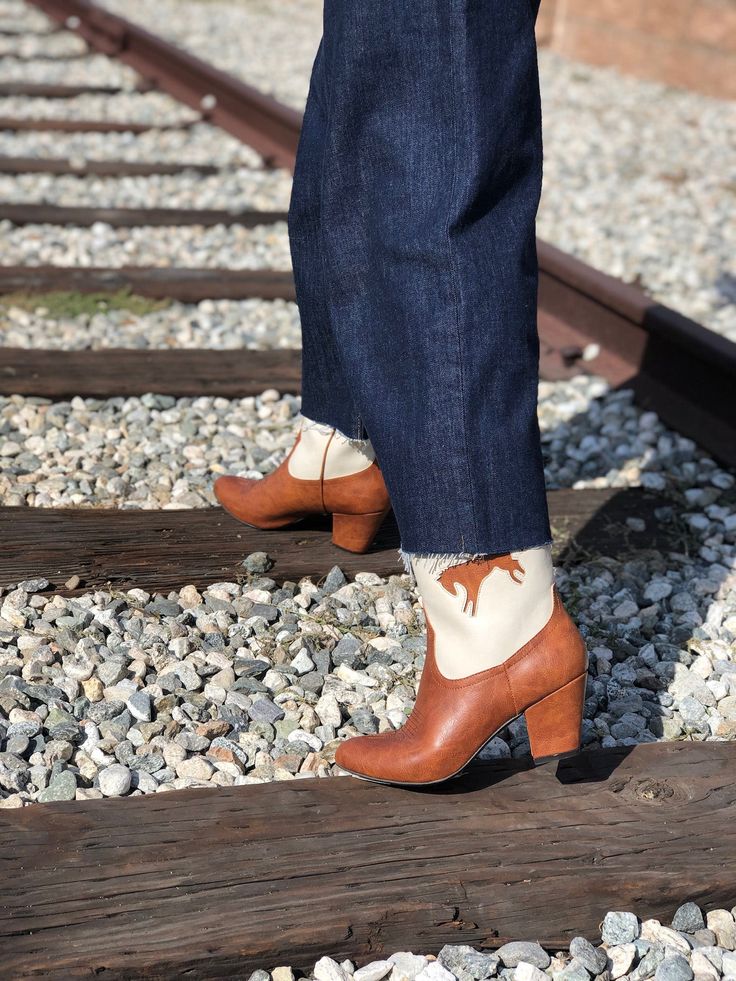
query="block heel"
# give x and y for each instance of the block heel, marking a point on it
(355, 532)
(554, 723)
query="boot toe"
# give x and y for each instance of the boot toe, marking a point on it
(229, 491)
(369, 756)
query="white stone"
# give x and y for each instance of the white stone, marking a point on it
(621, 958)
(434, 971)
(654, 931)
(115, 780)
(195, 768)
(328, 970)
(702, 967)
(407, 966)
(373, 971)
(528, 972)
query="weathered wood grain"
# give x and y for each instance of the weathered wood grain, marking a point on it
(123, 371)
(48, 214)
(101, 168)
(16, 123)
(166, 549)
(46, 90)
(216, 883)
(187, 285)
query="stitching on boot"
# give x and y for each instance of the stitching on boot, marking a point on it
(322, 472)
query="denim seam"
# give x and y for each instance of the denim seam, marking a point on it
(454, 285)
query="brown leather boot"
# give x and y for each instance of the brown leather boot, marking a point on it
(452, 719)
(358, 502)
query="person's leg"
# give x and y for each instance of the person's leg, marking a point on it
(330, 469)
(431, 176)
(430, 186)
(326, 393)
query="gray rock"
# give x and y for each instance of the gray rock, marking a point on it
(692, 711)
(523, 950)
(34, 585)
(347, 651)
(593, 959)
(675, 968)
(251, 667)
(264, 710)
(313, 681)
(269, 613)
(149, 763)
(648, 964)
(111, 672)
(334, 580)
(688, 918)
(17, 744)
(191, 741)
(257, 562)
(139, 706)
(61, 787)
(364, 720)
(467, 963)
(164, 607)
(619, 928)
(728, 964)
(260, 975)
(575, 971)
(13, 772)
(115, 780)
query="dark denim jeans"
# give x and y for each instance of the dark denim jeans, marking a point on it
(413, 241)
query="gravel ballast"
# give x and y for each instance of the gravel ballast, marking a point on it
(213, 324)
(198, 144)
(215, 247)
(229, 190)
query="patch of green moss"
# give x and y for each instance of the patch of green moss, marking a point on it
(62, 304)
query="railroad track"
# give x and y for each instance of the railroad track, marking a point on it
(589, 323)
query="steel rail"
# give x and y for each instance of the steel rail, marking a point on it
(269, 127)
(676, 367)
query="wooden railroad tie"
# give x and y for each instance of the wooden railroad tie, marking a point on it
(214, 883)
(86, 125)
(47, 214)
(101, 168)
(46, 90)
(126, 371)
(187, 285)
(164, 550)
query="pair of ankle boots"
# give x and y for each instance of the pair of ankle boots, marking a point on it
(499, 642)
